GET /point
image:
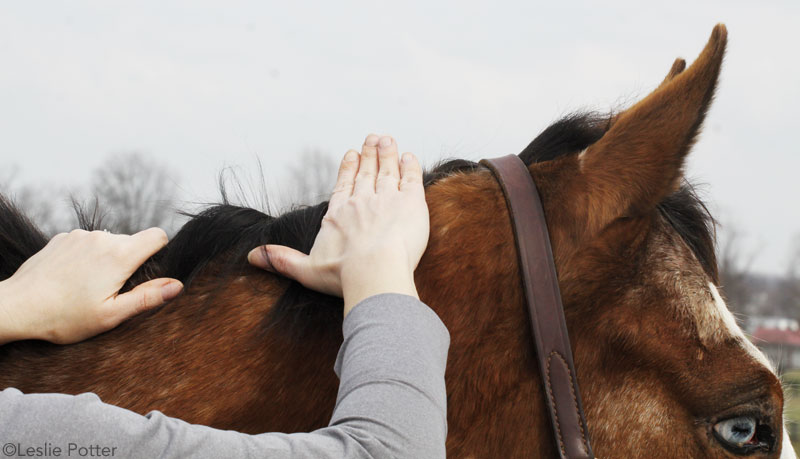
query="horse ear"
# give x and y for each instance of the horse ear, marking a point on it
(677, 67)
(639, 160)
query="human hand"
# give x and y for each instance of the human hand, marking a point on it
(69, 291)
(373, 234)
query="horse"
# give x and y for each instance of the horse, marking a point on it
(664, 369)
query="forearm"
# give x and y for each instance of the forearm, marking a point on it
(391, 365)
(391, 403)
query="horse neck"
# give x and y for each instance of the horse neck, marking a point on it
(469, 275)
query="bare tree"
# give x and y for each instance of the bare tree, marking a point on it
(312, 177)
(134, 192)
(784, 298)
(40, 203)
(735, 272)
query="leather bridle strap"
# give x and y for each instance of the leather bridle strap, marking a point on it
(546, 312)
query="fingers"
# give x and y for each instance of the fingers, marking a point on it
(368, 168)
(388, 167)
(144, 244)
(259, 258)
(281, 260)
(346, 179)
(411, 174)
(143, 297)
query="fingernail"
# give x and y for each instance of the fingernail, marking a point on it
(406, 157)
(386, 141)
(259, 257)
(350, 155)
(171, 290)
(372, 140)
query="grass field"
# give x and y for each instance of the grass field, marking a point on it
(791, 382)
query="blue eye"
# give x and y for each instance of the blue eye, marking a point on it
(736, 431)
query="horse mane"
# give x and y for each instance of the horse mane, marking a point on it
(225, 233)
(19, 238)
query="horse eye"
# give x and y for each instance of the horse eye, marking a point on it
(737, 432)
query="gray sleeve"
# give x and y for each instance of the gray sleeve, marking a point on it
(391, 403)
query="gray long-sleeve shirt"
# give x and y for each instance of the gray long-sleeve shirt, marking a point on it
(391, 403)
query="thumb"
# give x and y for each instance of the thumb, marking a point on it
(281, 260)
(145, 296)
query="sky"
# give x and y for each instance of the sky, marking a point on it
(206, 85)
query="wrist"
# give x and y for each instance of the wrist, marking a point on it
(358, 287)
(12, 326)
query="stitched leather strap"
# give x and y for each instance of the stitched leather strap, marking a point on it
(546, 312)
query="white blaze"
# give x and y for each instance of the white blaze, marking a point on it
(733, 328)
(787, 452)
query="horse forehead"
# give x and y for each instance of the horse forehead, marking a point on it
(698, 297)
(715, 323)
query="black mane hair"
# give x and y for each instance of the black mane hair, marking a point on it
(225, 233)
(19, 238)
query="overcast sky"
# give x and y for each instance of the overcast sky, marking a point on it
(203, 85)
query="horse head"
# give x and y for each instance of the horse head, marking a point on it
(664, 368)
